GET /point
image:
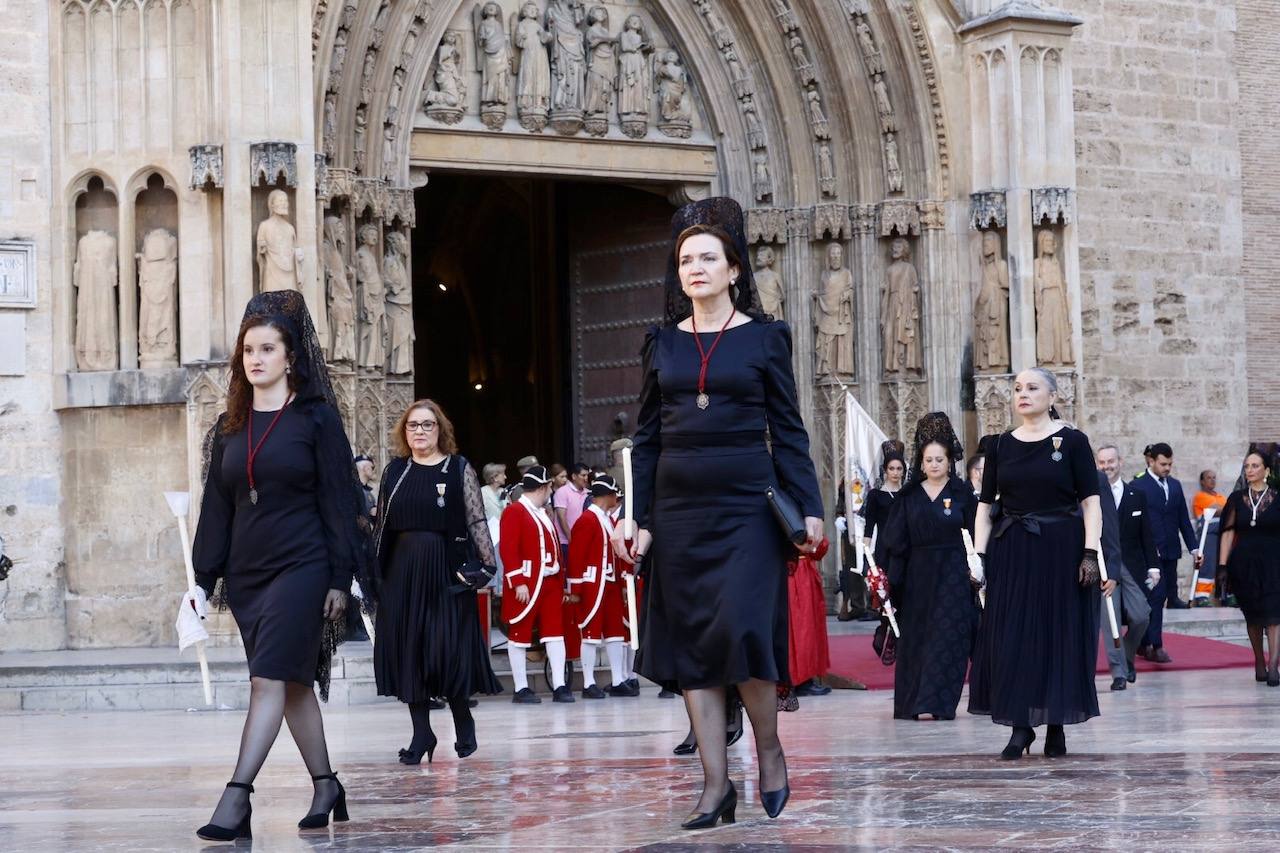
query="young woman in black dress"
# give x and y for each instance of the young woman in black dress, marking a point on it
(921, 549)
(278, 529)
(1249, 555)
(716, 377)
(875, 510)
(427, 639)
(1038, 642)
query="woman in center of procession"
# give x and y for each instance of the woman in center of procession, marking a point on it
(718, 397)
(921, 549)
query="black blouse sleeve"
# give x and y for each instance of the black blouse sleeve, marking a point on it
(477, 523)
(991, 467)
(1231, 512)
(647, 442)
(212, 544)
(786, 428)
(1084, 471)
(893, 547)
(338, 498)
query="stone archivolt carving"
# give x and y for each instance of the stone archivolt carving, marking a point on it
(834, 304)
(760, 180)
(755, 131)
(899, 217)
(158, 300)
(393, 96)
(769, 284)
(445, 102)
(920, 37)
(361, 126)
(988, 209)
(867, 43)
(892, 163)
(1053, 205)
(991, 311)
(270, 162)
(493, 55)
(933, 215)
(533, 76)
(337, 59)
(389, 162)
(378, 31)
(330, 128)
(826, 170)
(830, 220)
(339, 289)
(675, 107)
(884, 107)
(366, 74)
(900, 312)
(817, 118)
(373, 332)
(95, 276)
(993, 398)
(602, 78)
(279, 258)
(1053, 323)
(564, 19)
(766, 224)
(206, 166)
(399, 316)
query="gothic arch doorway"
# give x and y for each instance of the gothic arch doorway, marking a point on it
(531, 296)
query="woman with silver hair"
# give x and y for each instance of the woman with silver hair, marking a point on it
(717, 381)
(1038, 526)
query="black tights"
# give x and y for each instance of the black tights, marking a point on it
(271, 702)
(706, 709)
(464, 727)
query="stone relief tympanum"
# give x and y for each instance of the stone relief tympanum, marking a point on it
(635, 86)
(493, 53)
(602, 72)
(533, 78)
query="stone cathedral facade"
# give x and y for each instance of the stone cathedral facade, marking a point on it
(939, 193)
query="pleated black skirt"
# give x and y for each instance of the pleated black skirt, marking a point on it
(1037, 648)
(428, 641)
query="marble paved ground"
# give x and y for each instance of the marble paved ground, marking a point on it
(1188, 760)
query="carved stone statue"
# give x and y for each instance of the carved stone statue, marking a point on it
(817, 118)
(445, 102)
(158, 300)
(865, 38)
(826, 170)
(675, 107)
(568, 58)
(760, 179)
(279, 258)
(366, 75)
(991, 311)
(634, 83)
(533, 80)
(834, 343)
(95, 276)
(338, 59)
(493, 54)
(602, 72)
(379, 29)
(330, 122)
(373, 311)
(1053, 322)
(358, 135)
(339, 290)
(892, 165)
(900, 312)
(883, 105)
(769, 284)
(393, 97)
(389, 164)
(755, 131)
(399, 304)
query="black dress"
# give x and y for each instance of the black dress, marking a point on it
(875, 510)
(280, 557)
(1037, 646)
(1253, 566)
(921, 549)
(427, 637)
(716, 608)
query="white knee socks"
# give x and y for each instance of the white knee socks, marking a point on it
(628, 661)
(617, 660)
(555, 654)
(588, 662)
(519, 675)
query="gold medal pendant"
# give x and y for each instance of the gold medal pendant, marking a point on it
(1056, 456)
(440, 487)
(703, 401)
(946, 506)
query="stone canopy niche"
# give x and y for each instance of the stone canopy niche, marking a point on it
(95, 277)
(156, 254)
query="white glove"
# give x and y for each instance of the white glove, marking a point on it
(1153, 578)
(196, 600)
(842, 523)
(976, 570)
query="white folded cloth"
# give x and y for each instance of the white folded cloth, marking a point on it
(976, 571)
(192, 609)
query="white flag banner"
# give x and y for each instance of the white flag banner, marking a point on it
(862, 441)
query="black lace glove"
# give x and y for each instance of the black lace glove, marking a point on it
(1089, 572)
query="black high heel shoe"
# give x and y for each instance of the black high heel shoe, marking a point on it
(1055, 742)
(409, 756)
(1273, 678)
(725, 811)
(688, 746)
(213, 832)
(733, 733)
(339, 807)
(464, 727)
(1019, 742)
(775, 801)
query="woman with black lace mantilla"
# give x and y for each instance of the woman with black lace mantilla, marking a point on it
(279, 533)
(427, 638)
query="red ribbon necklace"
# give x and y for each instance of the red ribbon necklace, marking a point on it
(254, 448)
(703, 400)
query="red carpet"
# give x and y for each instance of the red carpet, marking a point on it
(852, 656)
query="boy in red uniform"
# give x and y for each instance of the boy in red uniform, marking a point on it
(534, 590)
(594, 579)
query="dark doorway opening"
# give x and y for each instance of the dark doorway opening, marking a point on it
(531, 297)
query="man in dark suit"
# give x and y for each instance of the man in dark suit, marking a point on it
(1169, 517)
(1124, 510)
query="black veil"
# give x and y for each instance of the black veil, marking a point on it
(726, 213)
(341, 500)
(934, 427)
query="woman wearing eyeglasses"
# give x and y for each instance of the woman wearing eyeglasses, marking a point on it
(428, 641)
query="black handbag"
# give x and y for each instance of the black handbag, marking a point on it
(470, 571)
(788, 515)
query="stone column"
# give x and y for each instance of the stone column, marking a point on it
(798, 265)
(942, 289)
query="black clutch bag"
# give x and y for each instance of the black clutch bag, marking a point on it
(471, 573)
(788, 515)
